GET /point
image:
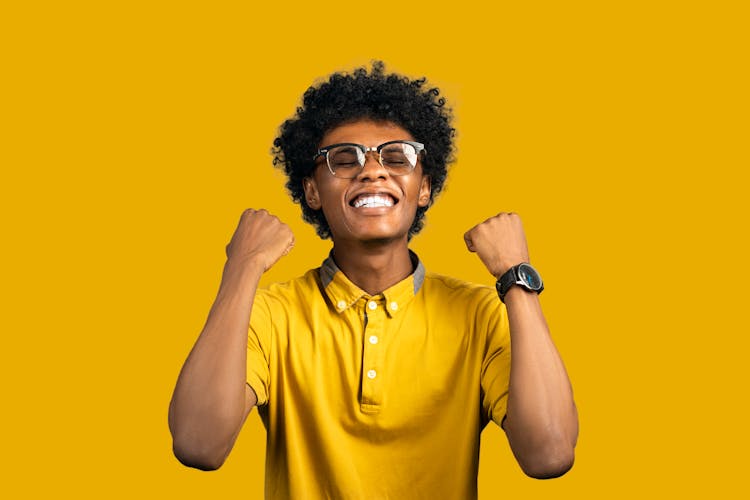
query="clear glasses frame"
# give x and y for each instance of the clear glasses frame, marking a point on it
(353, 171)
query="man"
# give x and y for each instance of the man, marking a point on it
(373, 377)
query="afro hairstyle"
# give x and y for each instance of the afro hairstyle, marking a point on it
(347, 97)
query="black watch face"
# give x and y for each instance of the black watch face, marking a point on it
(529, 276)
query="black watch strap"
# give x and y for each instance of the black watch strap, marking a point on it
(510, 278)
(506, 281)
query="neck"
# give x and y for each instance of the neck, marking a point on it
(373, 267)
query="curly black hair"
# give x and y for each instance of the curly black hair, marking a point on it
(377, 96)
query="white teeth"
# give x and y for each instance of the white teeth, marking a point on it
(376, 200)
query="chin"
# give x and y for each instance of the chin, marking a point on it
(376, 237)
(380, 241)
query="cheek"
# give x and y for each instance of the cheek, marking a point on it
(331, 200)
(332, 205)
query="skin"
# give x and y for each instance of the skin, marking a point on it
(541, 422)
(212, 399)
(370, 245)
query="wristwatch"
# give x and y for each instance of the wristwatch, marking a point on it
(523, 275)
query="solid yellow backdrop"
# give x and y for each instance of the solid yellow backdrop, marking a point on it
(134, 134)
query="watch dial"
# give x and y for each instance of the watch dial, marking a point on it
(530, 277)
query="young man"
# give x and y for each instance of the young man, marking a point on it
(373, 377)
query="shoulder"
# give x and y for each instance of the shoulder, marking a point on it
(453, 292)
(474, 306)
(446, 285)
(301, 288)
(279, 304)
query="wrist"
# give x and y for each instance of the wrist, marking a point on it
(239, 271)
(499, 271)
(245, 263)
(522, 276)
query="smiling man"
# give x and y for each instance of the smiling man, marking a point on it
(374, 378)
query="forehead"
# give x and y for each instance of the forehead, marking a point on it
(367, 132)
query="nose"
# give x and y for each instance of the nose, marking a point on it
(372, 168)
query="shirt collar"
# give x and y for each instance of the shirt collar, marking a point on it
(343, 293)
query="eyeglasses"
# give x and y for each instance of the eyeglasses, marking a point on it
(346, 160)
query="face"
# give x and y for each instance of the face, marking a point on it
(391, 201)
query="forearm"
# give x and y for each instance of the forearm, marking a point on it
(541, 422)
(210, 400)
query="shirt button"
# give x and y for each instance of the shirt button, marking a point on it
(394, 306)
(341, 304)
(373, 339)
(372, 305)
(371, 374)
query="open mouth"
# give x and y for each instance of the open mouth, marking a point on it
(373, 201)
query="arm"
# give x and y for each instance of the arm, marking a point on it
(211, 399)
(541, 421)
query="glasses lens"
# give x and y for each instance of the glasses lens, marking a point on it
(345, 161)
(400, 158)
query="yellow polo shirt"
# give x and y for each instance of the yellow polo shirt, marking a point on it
(380, 396)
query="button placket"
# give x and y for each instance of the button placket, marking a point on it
(372, 358)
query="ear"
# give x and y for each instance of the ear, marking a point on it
(425, 188)
(312, 196)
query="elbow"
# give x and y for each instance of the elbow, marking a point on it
(198, 455)
(204, 460)
(196, 448)
(544, 452)
(549, 465)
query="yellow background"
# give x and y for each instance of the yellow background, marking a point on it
(135, 133)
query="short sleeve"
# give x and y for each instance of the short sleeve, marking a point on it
(258, 347)
(495, 376)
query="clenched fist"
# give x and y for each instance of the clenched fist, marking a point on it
(499, 242)
(260, 236)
